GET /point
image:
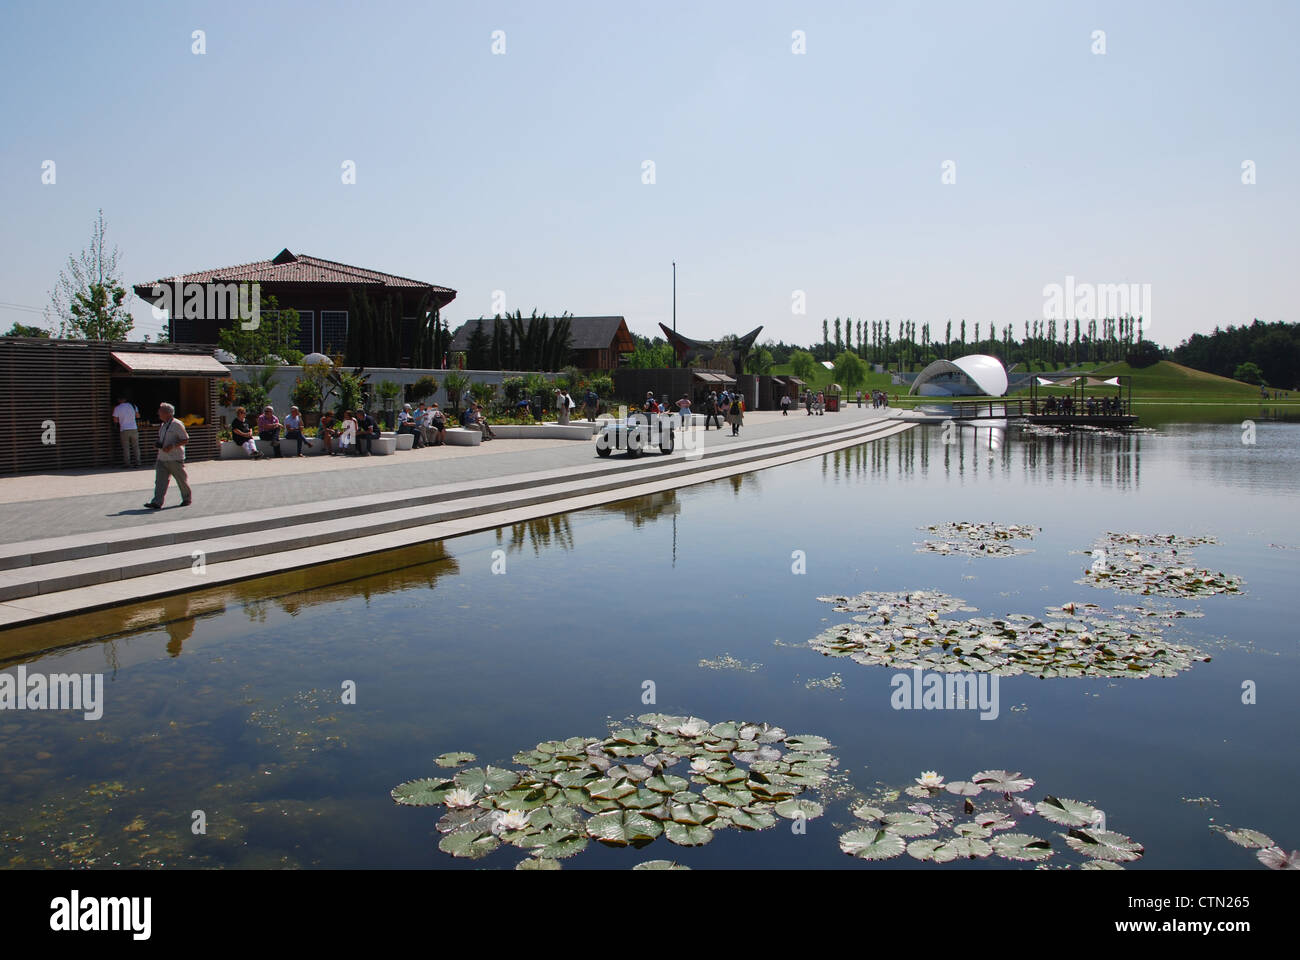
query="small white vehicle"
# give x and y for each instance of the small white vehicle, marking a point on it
(639, 432)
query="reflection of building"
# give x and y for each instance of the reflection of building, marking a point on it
(973, 375)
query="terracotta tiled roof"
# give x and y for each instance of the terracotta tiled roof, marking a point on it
(299, 268)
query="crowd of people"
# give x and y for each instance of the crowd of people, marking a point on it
(1092, 406)
(350, 432)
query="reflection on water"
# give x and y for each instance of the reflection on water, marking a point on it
(1081, 457)
(232, 705)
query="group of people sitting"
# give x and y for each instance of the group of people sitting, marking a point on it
(349, 433)
(1093, 406)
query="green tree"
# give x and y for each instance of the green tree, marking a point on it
(456, 384)
(850, 371)
(802, 365)
(759, 361)
(23, 330)
(312, 390)
(1249, 372)
(275, 335)
(89, 301)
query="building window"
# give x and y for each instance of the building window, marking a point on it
(306, 342)
(333, 331)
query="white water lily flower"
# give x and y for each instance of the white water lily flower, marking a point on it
(993, 643)
(460, 797)
(692, 728)
(512, 820)
(930, 779)
(701, 766)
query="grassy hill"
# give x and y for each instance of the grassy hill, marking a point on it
(1173, 381)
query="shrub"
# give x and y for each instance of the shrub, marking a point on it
(515, 389)
(422, 389)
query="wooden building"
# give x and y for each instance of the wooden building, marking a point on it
(57, 399)
(331, 299)
(596, 343)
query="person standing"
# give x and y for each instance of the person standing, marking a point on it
(684, 408)
(562, 406)
(785, 405)
(125, 415)
(711, 410)
(859, 399)
(736, 417)
(171, 441)
(591, 403)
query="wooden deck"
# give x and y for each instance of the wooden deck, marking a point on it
(1035, 411)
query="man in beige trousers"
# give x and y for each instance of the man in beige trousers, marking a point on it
(172, 438)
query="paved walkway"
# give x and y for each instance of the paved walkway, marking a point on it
(71, 502)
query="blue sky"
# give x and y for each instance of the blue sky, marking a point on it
(774, 172)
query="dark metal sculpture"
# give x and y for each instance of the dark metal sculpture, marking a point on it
(735, 350)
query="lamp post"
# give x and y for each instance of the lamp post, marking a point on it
(674, 310)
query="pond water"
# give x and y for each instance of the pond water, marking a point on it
(234, 708)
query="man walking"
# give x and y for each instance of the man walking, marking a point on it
(171, 441)
(125, 415)
(785, 405)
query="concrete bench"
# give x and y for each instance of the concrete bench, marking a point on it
(463, 437)
(548, 431)
(383, 446)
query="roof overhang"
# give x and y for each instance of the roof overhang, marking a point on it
(170, 364)
(987, 374)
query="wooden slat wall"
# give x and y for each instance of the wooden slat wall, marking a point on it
(68, 382)
(63, 381)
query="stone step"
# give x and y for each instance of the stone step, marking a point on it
(168, 571)
(160, 533)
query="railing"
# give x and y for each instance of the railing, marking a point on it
(1023, 407)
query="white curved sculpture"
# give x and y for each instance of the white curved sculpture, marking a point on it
(971, 375)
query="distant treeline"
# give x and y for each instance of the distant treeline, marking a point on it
(1272, 347)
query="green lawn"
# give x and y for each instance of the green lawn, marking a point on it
(1166, 380)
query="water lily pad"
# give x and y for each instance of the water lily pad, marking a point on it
(687, 835)
(963, 788)
(872, 844)
(793, 809)
(1104, 845)
(619, 828)
(969, 847)
(422, 793)
(667, 783)
(1067, 812)
(489, 780)
(1021, 846)
(536, 863)
(454, 759)
(1000, 781)
(1278, 859)
(746, 821)
(935, 850)
(1251, 839)
(468, 844)
(1100, 865)
(660, 865)
(909, 824)
(808, 743)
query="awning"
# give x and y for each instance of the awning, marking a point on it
(171, 364)
(795, 380)
(715, 378)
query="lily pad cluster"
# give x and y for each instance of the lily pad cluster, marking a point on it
(1266, 851)
(1152, 565)
(985, 816)
(976, 539)
(1074, 640)
(910, 606)
(681, 778)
